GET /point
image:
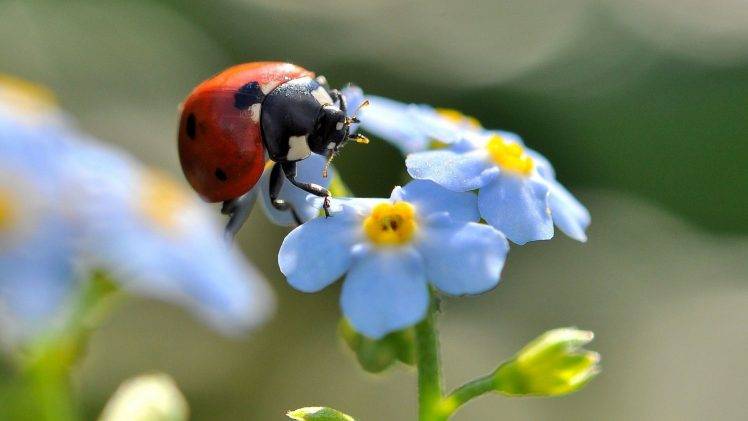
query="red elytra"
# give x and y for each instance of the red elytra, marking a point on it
(220, 146)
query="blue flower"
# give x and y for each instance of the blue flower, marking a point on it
(309, 170)
(69, 205)
(415, 127)
(517, 190)
(391, 250)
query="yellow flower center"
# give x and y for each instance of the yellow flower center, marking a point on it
(509, 156)
(8, 212)
(26, 98)
(457, 117)
(391, 224)
(162, 201)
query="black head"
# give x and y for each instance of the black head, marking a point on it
(331, 131)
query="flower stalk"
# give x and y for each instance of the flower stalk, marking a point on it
(429, 368)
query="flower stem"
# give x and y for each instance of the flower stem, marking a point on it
(468, 391)
(429, 369)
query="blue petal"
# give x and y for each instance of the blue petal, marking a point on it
(391, 121)
(308, 170)
(317, 253)
(568, 214)
(37, 278)
(454, 170)
(385, 291)
(518, 207)
(463, 258)
(430, 198)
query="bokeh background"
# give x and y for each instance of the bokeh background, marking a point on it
(642, 105)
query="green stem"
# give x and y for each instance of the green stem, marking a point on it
(429, 369)
(467, 392)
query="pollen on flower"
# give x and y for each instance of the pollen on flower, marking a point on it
(509, 156)
(162, 201)
(391, 223)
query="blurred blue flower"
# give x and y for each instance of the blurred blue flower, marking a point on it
(157, 239)
(517, 190)
(391, 250)
(69, 206)
(309, 170)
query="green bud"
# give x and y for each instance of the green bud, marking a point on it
(151, 397)
(318, 413)
(377, 355)
(551, 365)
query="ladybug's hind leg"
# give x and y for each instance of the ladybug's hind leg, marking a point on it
(276, 183)
(238, 210)
(289, 168)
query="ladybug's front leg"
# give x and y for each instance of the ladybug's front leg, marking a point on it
(276, 183)
(289, 168)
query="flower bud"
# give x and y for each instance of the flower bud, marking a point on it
(551, 365)
(377, 355)
(318, 413)
(151, 397)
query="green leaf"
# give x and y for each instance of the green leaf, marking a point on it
(376, 356)
(318, 413)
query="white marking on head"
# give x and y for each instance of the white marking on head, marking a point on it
(339, 126)
(321, 95)
(254, 112)
(298, 148)
(267, 87)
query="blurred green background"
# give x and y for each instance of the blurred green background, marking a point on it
(642, 106)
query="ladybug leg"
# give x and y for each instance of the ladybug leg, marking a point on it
(289, 168)
(276, 182)
(238, 210)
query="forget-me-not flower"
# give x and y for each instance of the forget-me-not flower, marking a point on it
(70, 205)
(391, 249)
(517, 189)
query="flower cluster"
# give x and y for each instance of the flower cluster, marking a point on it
(70, 206)
(430, 231)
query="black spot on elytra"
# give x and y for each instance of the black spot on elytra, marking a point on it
(191, 126)
(220, 174)
(248, 95)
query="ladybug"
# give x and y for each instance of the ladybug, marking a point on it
(233, 122)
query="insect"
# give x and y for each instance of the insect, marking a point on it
(233, 122)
